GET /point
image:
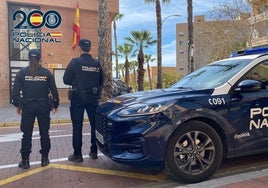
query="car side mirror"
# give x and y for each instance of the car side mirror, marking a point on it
(247, 86)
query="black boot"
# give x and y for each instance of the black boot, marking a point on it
(75, 158)
(44, 161)
(93, 151)
(93, 155)
(25, 164)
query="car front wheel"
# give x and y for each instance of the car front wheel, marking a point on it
(194, 152)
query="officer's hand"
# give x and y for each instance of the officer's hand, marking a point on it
(54, 110)
(18, 111)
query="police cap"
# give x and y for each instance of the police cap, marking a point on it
(85, 44)
(35, 53)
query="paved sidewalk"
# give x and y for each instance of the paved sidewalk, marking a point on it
(9, 117)
(92, 171)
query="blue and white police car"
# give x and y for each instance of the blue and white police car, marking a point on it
(219, 111)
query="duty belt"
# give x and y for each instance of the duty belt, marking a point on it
(93, 90)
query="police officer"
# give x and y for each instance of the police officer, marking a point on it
(85, 76)
(31, 93)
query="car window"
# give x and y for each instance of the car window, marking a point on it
(212, 75)
(259, 73)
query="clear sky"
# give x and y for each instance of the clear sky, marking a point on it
(138, 15)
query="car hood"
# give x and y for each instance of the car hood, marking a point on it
(158, 94)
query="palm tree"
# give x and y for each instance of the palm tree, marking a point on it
(125, 50)
(104, 50)
(159, 39)
(121, 67)
(190, 36)
(133, 66)
(116, 18)
(140, 40)
(148, 59)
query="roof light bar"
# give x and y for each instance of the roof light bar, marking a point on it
(250, 52)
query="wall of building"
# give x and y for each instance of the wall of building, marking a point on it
(4, 60)
(54, 53)
(181, 48)
(213, 40)
(258, 24)
(83, 4)
(249, 28)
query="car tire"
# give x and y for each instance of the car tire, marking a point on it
(194, 152)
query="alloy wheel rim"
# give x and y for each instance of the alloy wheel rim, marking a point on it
(194, 152)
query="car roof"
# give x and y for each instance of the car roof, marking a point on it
(252, 57)
(247, 56)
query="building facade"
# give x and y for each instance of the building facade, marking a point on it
(213, 40)
(46, 25)
(211, 37)
(258, 23)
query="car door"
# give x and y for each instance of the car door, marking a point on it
(248, 113)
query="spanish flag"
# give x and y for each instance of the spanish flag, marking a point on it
(76, 27)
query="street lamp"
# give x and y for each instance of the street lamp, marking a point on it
(159, 50)
(169, 17)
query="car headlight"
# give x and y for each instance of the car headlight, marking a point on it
(145, 108)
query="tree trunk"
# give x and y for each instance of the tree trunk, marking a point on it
(135, 78)
(116, 51)
(149, 75)
(127, 71)
(104, 50)
(159, 43)
(140, 71)
(190, 36)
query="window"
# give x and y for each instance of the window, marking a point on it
(259, 73)
(58, 74)
(262, 9)
(226, 31)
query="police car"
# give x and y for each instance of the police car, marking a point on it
(219, 111)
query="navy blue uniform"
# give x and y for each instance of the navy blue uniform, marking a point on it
(85, 76)
(31, 93)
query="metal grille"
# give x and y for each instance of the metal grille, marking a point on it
(103, 126)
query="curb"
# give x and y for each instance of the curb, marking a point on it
(9, 124)
(54, 121)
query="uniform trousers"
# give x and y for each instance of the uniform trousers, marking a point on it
(30, 111)
(77, 109)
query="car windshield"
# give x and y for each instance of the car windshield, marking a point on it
(212, 75)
